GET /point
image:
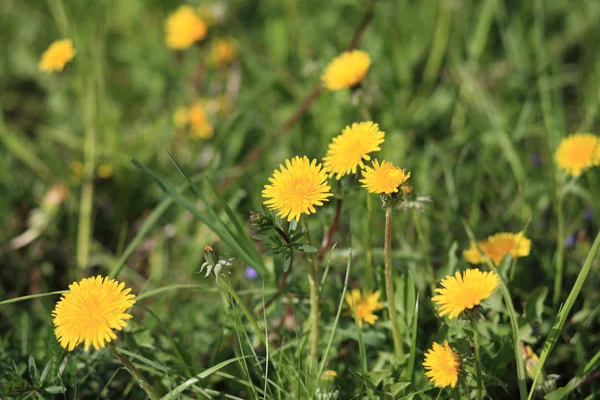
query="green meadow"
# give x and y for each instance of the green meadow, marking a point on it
(143, 151)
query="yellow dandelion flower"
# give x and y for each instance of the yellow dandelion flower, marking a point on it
(297, 188)
(383, 178)
(90, 312)
(364, 306)
(200, 127)
(442, 365)
(330, 374)
(105, 171)
(346, 70)
(184, 27)
(497, 246)
(57, 55)
(180, 117)
(223, 51)
(577, 153)
(348, 150)
(460, 293)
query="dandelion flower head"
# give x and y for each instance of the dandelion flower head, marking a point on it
(497, 246)
(223, 51)
(577, 153)
(346, 70)
(442, 365)
(200, 127)
(364, 306)
(297, 188)
(348, 151)
(57, 55)
(464, 292)
(184, 27)
(383, 178)
(91, 311)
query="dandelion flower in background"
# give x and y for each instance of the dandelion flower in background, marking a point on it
(184, 27)
(442, 365)
(223, 51)
(464, 292)
(497, 246)
(57, 55)
(348, 150)
(330, 374)
(180, 117)
(90, 312)
(364, 306)
(200, 127)
(346, 70)
(577, 153)
(297, 188)
(383, 178)
(105, 171)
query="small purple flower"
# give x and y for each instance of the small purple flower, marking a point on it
(570, 241)
(536, 159)
(589, 215)
(250, 273)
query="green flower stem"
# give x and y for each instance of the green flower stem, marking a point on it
(314, 303)
(424, 252)
(245, 311)
(389, 283)
(477, 358)
(368, 245)
(146, 387)
(84, 230)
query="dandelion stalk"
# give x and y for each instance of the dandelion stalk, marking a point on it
(314, 303)
(144, 384)
(560, 251)
(368, 245)
(477, 358)
(389, 283)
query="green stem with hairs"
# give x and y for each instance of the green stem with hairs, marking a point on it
(144, 384)
(389, 283)
(560, 254)
(368, 245)
(314, 303)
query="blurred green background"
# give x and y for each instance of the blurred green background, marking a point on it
(474, 97)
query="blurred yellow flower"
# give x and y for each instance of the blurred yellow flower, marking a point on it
(383, 178)
(577, 153)
(297, 188)
(364, 305)
(531, 361)
(180, 117)
(442, 365)
(497, 246)
(104, 171)
(347, 151)
(223, 51)
(184, 27)
(460, 293)
(90, 312)
(200, 127)
(330, 374)
(57, 55)
(346, 70)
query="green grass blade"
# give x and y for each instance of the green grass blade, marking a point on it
(147, 226)
(173, 394)
(32, 296)
(337, 317)
(564, 311)
(413, 343)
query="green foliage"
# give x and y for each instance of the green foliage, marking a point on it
(474, 98)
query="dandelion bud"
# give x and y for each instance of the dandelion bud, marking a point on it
(211, 255)
(260, 222)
